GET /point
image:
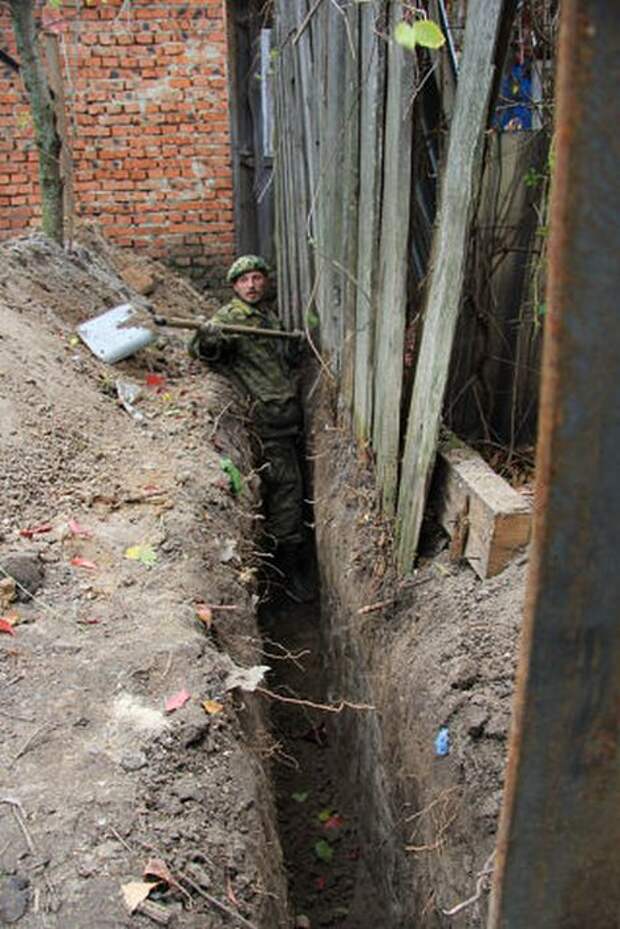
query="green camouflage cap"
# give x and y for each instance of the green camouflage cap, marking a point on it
(244, 264)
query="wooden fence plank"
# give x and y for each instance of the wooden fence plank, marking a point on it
(350, 178)
(392, 291)
(372, 78)
(460, 181)
(330, 244)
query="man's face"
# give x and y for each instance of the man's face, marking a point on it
(251, 286)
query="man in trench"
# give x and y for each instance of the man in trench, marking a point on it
(262, 370)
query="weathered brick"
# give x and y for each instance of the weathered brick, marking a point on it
(152, 152)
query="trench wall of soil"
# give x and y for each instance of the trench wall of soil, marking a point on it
(433, 653)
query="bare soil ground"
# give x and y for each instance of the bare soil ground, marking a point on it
(96, 778)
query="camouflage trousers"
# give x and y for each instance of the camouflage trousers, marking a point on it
(279, 426)
(282, 490)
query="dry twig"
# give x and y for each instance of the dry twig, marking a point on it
(218, 419)
(326, 707)
(306, 22)
(27, 743)
(215, 902)
(20, 818)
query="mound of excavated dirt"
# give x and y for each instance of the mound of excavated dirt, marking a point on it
(130, 523)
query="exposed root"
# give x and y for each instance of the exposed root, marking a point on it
(481, 885)
(325, 707)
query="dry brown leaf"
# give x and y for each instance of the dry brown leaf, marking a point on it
(155, 867)
(136, 892)
(212, 707)
(204, 614)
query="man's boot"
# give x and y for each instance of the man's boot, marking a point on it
(298, 571)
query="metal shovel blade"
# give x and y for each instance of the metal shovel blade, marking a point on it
(110, 338)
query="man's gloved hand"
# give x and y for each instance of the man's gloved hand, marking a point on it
(209, 332)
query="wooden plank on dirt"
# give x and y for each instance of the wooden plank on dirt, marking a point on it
(392, 294)
(459, 187)
(372, 90)
(492, 519)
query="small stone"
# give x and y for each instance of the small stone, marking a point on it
(475, 720)
(187, 789)
(133, 760)
(139, 279)
(27, 571)
(463, 674)
(13, 899)
(302, 922)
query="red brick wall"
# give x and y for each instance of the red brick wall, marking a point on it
(147, 93)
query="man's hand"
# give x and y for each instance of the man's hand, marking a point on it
(210, 331)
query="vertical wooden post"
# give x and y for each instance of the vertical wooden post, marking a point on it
(557, 861)
(350, 179)
(392, 291)
(372, 90)
(460, 182)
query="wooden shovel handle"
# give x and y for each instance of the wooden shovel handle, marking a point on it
(174, 322)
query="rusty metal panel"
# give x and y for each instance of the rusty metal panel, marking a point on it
(558, 856)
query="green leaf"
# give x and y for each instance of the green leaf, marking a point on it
(428, 34)
(234, 475)
(145, 554)
(312, 319)
(324, 815)
(423, 32)
(404, 35)
(300, 796)
(324, 851)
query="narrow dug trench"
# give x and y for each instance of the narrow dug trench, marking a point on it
(318, 812)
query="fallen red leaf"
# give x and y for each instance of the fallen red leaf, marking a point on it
(320, 883)
(36, 530)
(6, 626)
(334, 822)
(89, 621)
(80, 531)
(155, 380)
(79, 562)
(176, 701)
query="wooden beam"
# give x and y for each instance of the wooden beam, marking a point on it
(448, 258)
(494, 520)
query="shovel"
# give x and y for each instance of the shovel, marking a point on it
(175, 322)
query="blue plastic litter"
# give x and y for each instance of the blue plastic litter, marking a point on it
(442, 742)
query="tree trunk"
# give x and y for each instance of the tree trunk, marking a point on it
(44, 119)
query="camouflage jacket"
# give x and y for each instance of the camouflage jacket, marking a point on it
(261, 367)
